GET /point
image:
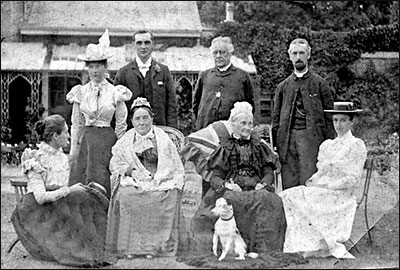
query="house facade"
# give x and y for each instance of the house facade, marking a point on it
(41, 41)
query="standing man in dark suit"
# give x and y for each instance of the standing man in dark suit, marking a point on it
(218, 88)
(146, 77)
(299, 123)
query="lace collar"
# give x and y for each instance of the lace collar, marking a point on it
(45, 147)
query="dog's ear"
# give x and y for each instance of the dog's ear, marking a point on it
(228, 201)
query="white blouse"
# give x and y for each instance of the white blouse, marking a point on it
(340, 163)
(47, 170)
(95, 105)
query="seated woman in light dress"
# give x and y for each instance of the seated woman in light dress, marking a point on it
(320, 214)
(94, 106)
(240, 169)
(53, 221)
(147, 177)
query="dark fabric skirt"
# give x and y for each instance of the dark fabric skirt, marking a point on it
(70, 231)
(144, 223)
(93, 155)
(259, 215)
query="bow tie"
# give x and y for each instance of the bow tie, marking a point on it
(144, 142)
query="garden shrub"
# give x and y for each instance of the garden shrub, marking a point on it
(332, 54)
(376, 38)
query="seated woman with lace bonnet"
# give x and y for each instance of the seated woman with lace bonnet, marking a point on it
(146, 185)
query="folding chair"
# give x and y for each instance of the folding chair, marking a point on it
(369, 166)
(20, 188)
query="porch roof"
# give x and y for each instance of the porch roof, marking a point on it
(22, 56)
(32, 56)
(193, 59)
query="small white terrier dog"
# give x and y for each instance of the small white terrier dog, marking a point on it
(226, 231)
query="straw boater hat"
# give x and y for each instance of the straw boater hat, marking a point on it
(97, 52)
(343, 107)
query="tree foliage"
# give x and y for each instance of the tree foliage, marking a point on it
(338, 32)
(316, 15)
(332, 55)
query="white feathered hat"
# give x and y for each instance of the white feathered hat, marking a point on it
(97, 52)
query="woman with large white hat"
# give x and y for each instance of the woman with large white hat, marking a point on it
(94, 106)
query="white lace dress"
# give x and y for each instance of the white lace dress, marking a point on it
(320, 216)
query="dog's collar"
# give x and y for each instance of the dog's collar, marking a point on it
(227, 219)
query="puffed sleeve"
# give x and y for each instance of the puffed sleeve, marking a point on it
(121, 95)
(75, 95)
(29, 161)
(36, 174)
(77, 120)
(218, 164)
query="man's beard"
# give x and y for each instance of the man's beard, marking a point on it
(300, 66)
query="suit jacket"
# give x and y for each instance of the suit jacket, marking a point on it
(317, 97)
(164, 102)
(232, 85)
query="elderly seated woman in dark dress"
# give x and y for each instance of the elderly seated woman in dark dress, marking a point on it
(240, 169)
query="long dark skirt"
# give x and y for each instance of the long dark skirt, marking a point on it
(93, 155)
(69, 231)
(259, 215)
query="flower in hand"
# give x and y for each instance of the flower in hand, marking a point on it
(259, 186)
(232, 186)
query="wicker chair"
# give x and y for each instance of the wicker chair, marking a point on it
(20, 187)
(176, 136)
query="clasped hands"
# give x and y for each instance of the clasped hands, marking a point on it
(235, 187)
(128, 180)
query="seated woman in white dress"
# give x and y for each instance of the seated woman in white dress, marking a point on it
(147, 177)
(320, 214)
(53, 221)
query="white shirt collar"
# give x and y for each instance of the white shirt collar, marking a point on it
(348, 134)
(225, 68)
(300, 74)
(140, 64)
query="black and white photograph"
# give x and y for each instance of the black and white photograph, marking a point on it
(200, 134)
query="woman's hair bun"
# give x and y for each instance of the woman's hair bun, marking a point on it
(40, 128)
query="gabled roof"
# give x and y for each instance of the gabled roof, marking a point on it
(171, 18)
